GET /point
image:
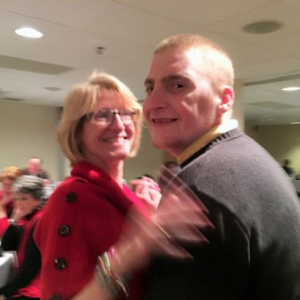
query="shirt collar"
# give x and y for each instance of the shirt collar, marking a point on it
(206, 139)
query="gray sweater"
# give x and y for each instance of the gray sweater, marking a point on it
(254, 252)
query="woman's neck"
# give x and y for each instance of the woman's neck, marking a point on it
(113, 168)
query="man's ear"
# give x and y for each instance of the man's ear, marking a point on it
(227, 99)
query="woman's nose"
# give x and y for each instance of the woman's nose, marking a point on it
(117, 122)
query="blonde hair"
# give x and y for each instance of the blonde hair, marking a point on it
(11, 173)
(216, 58)
(80, 101)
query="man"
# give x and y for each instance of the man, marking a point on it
(34, 167)
(254, 252)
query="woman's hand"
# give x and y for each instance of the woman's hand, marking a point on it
(148, 192)
(17, 214)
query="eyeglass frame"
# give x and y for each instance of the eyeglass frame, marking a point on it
(134, 114)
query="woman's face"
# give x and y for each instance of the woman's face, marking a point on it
(25, 203)
(105, 143)
(7, 186)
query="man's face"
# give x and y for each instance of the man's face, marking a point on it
(181, 104)
(34, 166)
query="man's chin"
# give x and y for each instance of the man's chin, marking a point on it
(159, 144)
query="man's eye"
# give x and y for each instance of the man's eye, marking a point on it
(148, 89)
(178, 86)
(174, 87)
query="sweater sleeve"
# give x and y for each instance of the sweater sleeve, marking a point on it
(29, 269)
(12, 237)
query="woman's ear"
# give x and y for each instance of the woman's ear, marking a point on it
(227, 99)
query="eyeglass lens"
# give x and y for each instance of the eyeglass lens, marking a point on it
(107, 116)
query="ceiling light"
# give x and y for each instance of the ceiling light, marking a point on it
(291, 89)
(29, 32)
(52, 88)
(262, 27)
(294, 123)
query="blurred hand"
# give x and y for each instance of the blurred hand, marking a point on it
(180, 217)
(6, 200)
(148, 191)
(17, 214)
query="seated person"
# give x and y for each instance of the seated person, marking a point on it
(19, 237)
(287, 168)
(34, 167)
(7, 179)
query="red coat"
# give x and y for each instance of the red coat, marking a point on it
(83, 218)
(4, 224)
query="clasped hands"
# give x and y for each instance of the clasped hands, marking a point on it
(175, 215)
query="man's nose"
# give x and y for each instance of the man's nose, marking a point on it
(155, 100)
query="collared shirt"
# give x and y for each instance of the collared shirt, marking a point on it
(206, 139)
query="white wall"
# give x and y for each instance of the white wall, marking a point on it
(29, 130)
(281, 141)
(25, 131)
(148, 159)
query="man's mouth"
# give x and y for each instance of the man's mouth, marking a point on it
(164, 120)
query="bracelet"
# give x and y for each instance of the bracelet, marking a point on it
(11, 221)
(105, 276)
(162, 231)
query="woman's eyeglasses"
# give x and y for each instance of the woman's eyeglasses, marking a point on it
(107, 116)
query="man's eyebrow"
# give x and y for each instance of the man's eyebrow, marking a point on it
(148, 81)
(172, 78)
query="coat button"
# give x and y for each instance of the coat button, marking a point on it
(60, 263)
(71, 198)
(64, 230)
(55, 297)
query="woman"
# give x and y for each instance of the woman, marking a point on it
(19, 237)
(85, 216)
(7, 178)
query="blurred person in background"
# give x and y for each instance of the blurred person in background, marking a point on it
(7, 178)
(34, 167)
(286, 165)
(95, 229)
(29, 191)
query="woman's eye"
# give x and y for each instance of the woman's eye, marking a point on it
(101, 115)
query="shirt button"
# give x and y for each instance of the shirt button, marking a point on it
(71, 198)
(55, 297)
(60, 263)
(64, 230)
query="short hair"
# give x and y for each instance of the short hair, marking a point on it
(35, 158)
(11, 173)
(80, 101)
(213, 55)
(30, 184)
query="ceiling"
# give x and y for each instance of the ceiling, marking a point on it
(41, 71)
